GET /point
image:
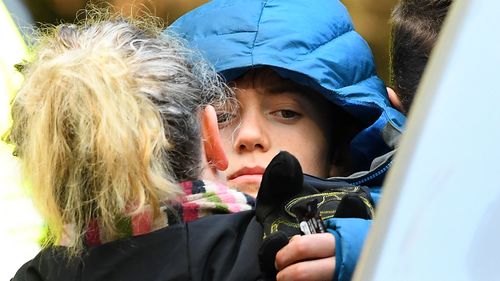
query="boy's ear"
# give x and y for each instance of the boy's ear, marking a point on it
(212, 144)
(394, 99)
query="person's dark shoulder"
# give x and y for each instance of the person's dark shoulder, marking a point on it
(27, 272)
(158, 255)
(225, 247)
(217, 247)
(232, 227)
(49, 264)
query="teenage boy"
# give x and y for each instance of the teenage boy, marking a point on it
(307, 84)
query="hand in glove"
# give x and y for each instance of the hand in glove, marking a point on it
(284, 202)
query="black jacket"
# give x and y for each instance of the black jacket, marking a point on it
(189, 251)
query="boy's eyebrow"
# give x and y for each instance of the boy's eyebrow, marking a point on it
(282, 88)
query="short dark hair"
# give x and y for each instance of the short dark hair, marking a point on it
(415, 29)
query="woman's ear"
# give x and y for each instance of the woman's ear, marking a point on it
(212, 144)
(394, 99)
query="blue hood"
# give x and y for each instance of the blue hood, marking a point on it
(310, 42)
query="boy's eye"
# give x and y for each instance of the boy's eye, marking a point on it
(286, 114)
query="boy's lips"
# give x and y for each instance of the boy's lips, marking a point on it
(247, 175)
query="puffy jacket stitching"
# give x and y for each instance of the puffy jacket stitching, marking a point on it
(325, 43)
(300, 56)
(230, 33)
(336, 90)
(257, 31)
(361, 81)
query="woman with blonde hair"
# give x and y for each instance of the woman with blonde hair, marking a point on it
(107, 127)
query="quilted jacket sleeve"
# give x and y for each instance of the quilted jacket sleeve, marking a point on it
(350, 234)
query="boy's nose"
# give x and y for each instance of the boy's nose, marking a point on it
(251, 135)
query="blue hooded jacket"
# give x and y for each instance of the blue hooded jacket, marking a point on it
(314, 44)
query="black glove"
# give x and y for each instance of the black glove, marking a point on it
(282, 181)
(284, 198)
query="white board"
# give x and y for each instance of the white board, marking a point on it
(439, 216)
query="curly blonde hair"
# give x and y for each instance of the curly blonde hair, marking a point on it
(106, 121)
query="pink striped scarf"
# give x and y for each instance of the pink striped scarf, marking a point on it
(201, 198)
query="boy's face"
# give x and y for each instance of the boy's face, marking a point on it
(275, 114)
